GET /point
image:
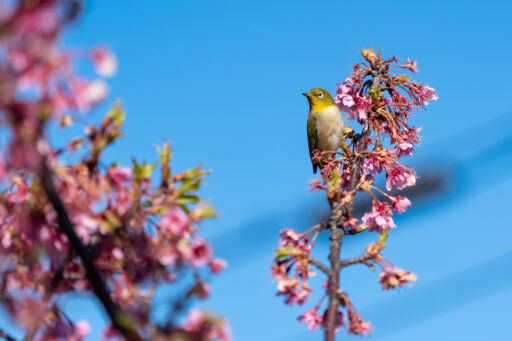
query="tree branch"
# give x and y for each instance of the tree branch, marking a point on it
(6, 336)
(121, 320)
(318, 264)
(364, 259)
(340, 212)
(336, 238)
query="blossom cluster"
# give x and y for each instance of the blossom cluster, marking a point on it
(380, 97)
(139, 227)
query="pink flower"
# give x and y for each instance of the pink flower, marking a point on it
(195, 320)
(6, 238)
(426, 93)
(357, 326)
(278, 271)
(208, 327)
(291, 238)
(401, 204)
(217, 265)
(117, 253)
(3, 171)
(168, 256)
(302, 295)
(340, 320)
(293, 292)
(119, 175)
(28, 311)
(85, 225)
(18, 59)
(42, 20)
(24, 154)
(311, 319)
(199, 252)
(362, 105)
(315, 185)
(404, 148)
(88, 94)
(372, 165)
(345, 176)
(175, 221)
(411, 65)
(379, 219)
(393, 277)
(82, 329)
(400, 177)
(105, 62)
(344, 98)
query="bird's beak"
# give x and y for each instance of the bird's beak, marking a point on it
(305, 94)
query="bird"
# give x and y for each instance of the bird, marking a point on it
(325, 124)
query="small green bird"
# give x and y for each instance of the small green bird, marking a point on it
(325, 124)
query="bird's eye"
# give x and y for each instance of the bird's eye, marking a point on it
(320, 94)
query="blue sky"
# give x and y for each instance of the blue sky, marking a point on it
(223, 81)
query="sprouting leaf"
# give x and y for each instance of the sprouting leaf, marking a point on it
(142, 171)
(117, 114)
(164, 153)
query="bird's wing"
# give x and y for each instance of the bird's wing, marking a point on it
(312, 137)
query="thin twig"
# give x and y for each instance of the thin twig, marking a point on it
(364, 259)
(318, 264)
(6, 336)
(352, 232)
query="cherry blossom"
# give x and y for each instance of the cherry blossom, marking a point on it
(116, 231)
(105, 62)
(392, 277)
(379, 219)
(401, 204)
(400, 177)
(426, 94)
(311, 319)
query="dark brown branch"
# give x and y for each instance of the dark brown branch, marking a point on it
(6, 336)
(352, 232)
(319, 264)
(338, 215)
(364, 259)
(121, 320)
(336, 227)
(340, 212)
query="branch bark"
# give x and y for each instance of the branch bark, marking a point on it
(363, 259)
(121, 320)
(337, 233)
(338, 215)
(6, 336)
(321, 266)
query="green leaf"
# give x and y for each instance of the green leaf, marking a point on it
(282, 252)
(164, 153)
(383, 236)
(142, 171)
(117, 114)
(188, 199)
(188, 186)
(374, 92)
(205, 212)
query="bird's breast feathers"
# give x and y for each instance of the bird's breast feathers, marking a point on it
(329, 127)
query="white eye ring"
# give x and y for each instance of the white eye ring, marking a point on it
(320, 95)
